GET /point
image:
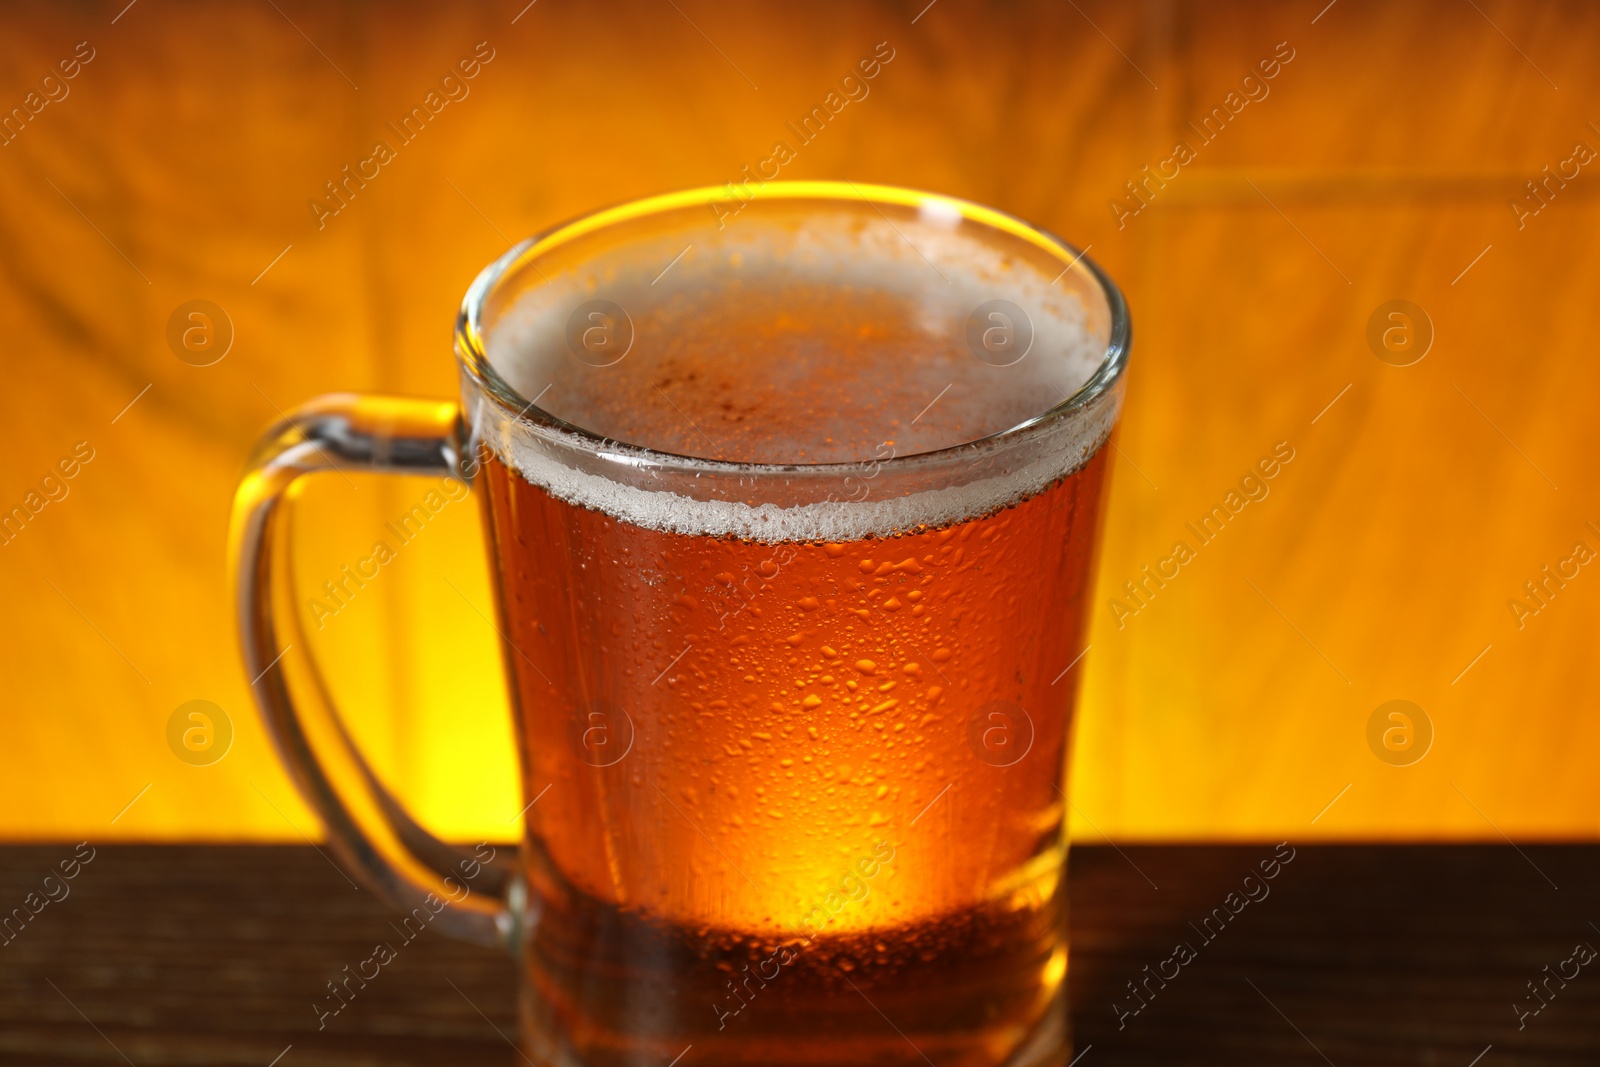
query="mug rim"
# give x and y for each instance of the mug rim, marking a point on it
(472, 355)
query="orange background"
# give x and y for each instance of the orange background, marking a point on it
(1381, 165)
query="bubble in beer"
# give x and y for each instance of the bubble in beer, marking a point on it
(1399, 332)
(1000, 733)
(999, 333)
(601, 733)
(199, 733)
(599, 332)
(199, 332)
(1399, 733)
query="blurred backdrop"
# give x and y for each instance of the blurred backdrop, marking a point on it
(1264, 180)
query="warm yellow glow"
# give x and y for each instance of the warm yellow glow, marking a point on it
(1381, 565)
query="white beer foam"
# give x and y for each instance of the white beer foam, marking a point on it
(835, 520)
(875, 255)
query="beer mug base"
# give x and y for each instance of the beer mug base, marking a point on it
(1046, 1045)
(981, 989)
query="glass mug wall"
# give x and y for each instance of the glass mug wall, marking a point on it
(791, 516)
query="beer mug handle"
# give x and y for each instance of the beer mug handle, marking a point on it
(466, 893)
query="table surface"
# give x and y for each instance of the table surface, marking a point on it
(1357, 955)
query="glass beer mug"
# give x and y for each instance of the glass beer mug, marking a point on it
(791, 507)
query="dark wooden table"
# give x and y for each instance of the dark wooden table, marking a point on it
(1359, 955)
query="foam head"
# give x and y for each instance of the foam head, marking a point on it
(793, 336)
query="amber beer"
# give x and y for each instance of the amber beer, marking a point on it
(799, 771)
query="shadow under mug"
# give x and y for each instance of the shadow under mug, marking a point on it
(793, 735)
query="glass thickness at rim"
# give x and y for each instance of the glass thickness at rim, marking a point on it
(471, 350)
